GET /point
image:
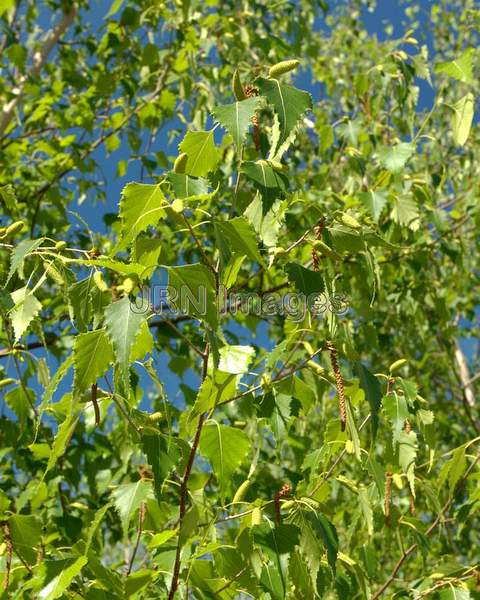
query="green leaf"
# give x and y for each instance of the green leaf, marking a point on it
(462, 119)
(123, 323)
(202, 154)
(194, 286)
(215, 389)
(316, 531)
(93, 355)
(305, 280)
(268, 225)
(457, 467)
(26, 532)
(61, 440)
(142, 205)
(127, 269)
(127, 499)
(146, 252)
(143, 343)
(407, 453)
(460, 69)
(25, 310)
(301, 576)
(375, 202)
(19, 254)
(226, 448)
(264, 174)
(405, 212)
(162, 454)
(396, 408)
(396, 157)
(449, 592)
(278, 540)
(7, 194)
(235, 359)
(60, 583)
(366, 508)
(371, 386)
(231, 270)
(236, 118)
(19, 400)
(240, 237)
(189, 188)
(80, 302)
(289, 103)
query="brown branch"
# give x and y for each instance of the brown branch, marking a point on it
(141, 519)
(184, 485)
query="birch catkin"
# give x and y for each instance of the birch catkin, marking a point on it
(318, 234)
(342, 403)
(180, 163)
(388, 494)
(283, 67)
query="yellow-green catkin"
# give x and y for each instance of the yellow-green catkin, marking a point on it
(180, 163)
(283, 67)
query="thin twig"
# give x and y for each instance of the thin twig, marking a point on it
(141, 519)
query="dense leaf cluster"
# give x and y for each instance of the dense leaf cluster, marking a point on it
(230, 449)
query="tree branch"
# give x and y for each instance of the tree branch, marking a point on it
(39, 60)
(184, 484)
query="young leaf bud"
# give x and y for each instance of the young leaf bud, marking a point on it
(237, 86)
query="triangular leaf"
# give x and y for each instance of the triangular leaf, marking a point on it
(460, 69)
(93, 355)
(202, 154)
(123, 322)
(19, 253)
(141, 206)
(127, 499)
(395, 157)
(289, 103)
(226, 448)
(236, 118)
(25, 310)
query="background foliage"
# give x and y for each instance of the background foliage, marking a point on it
(203, 456)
